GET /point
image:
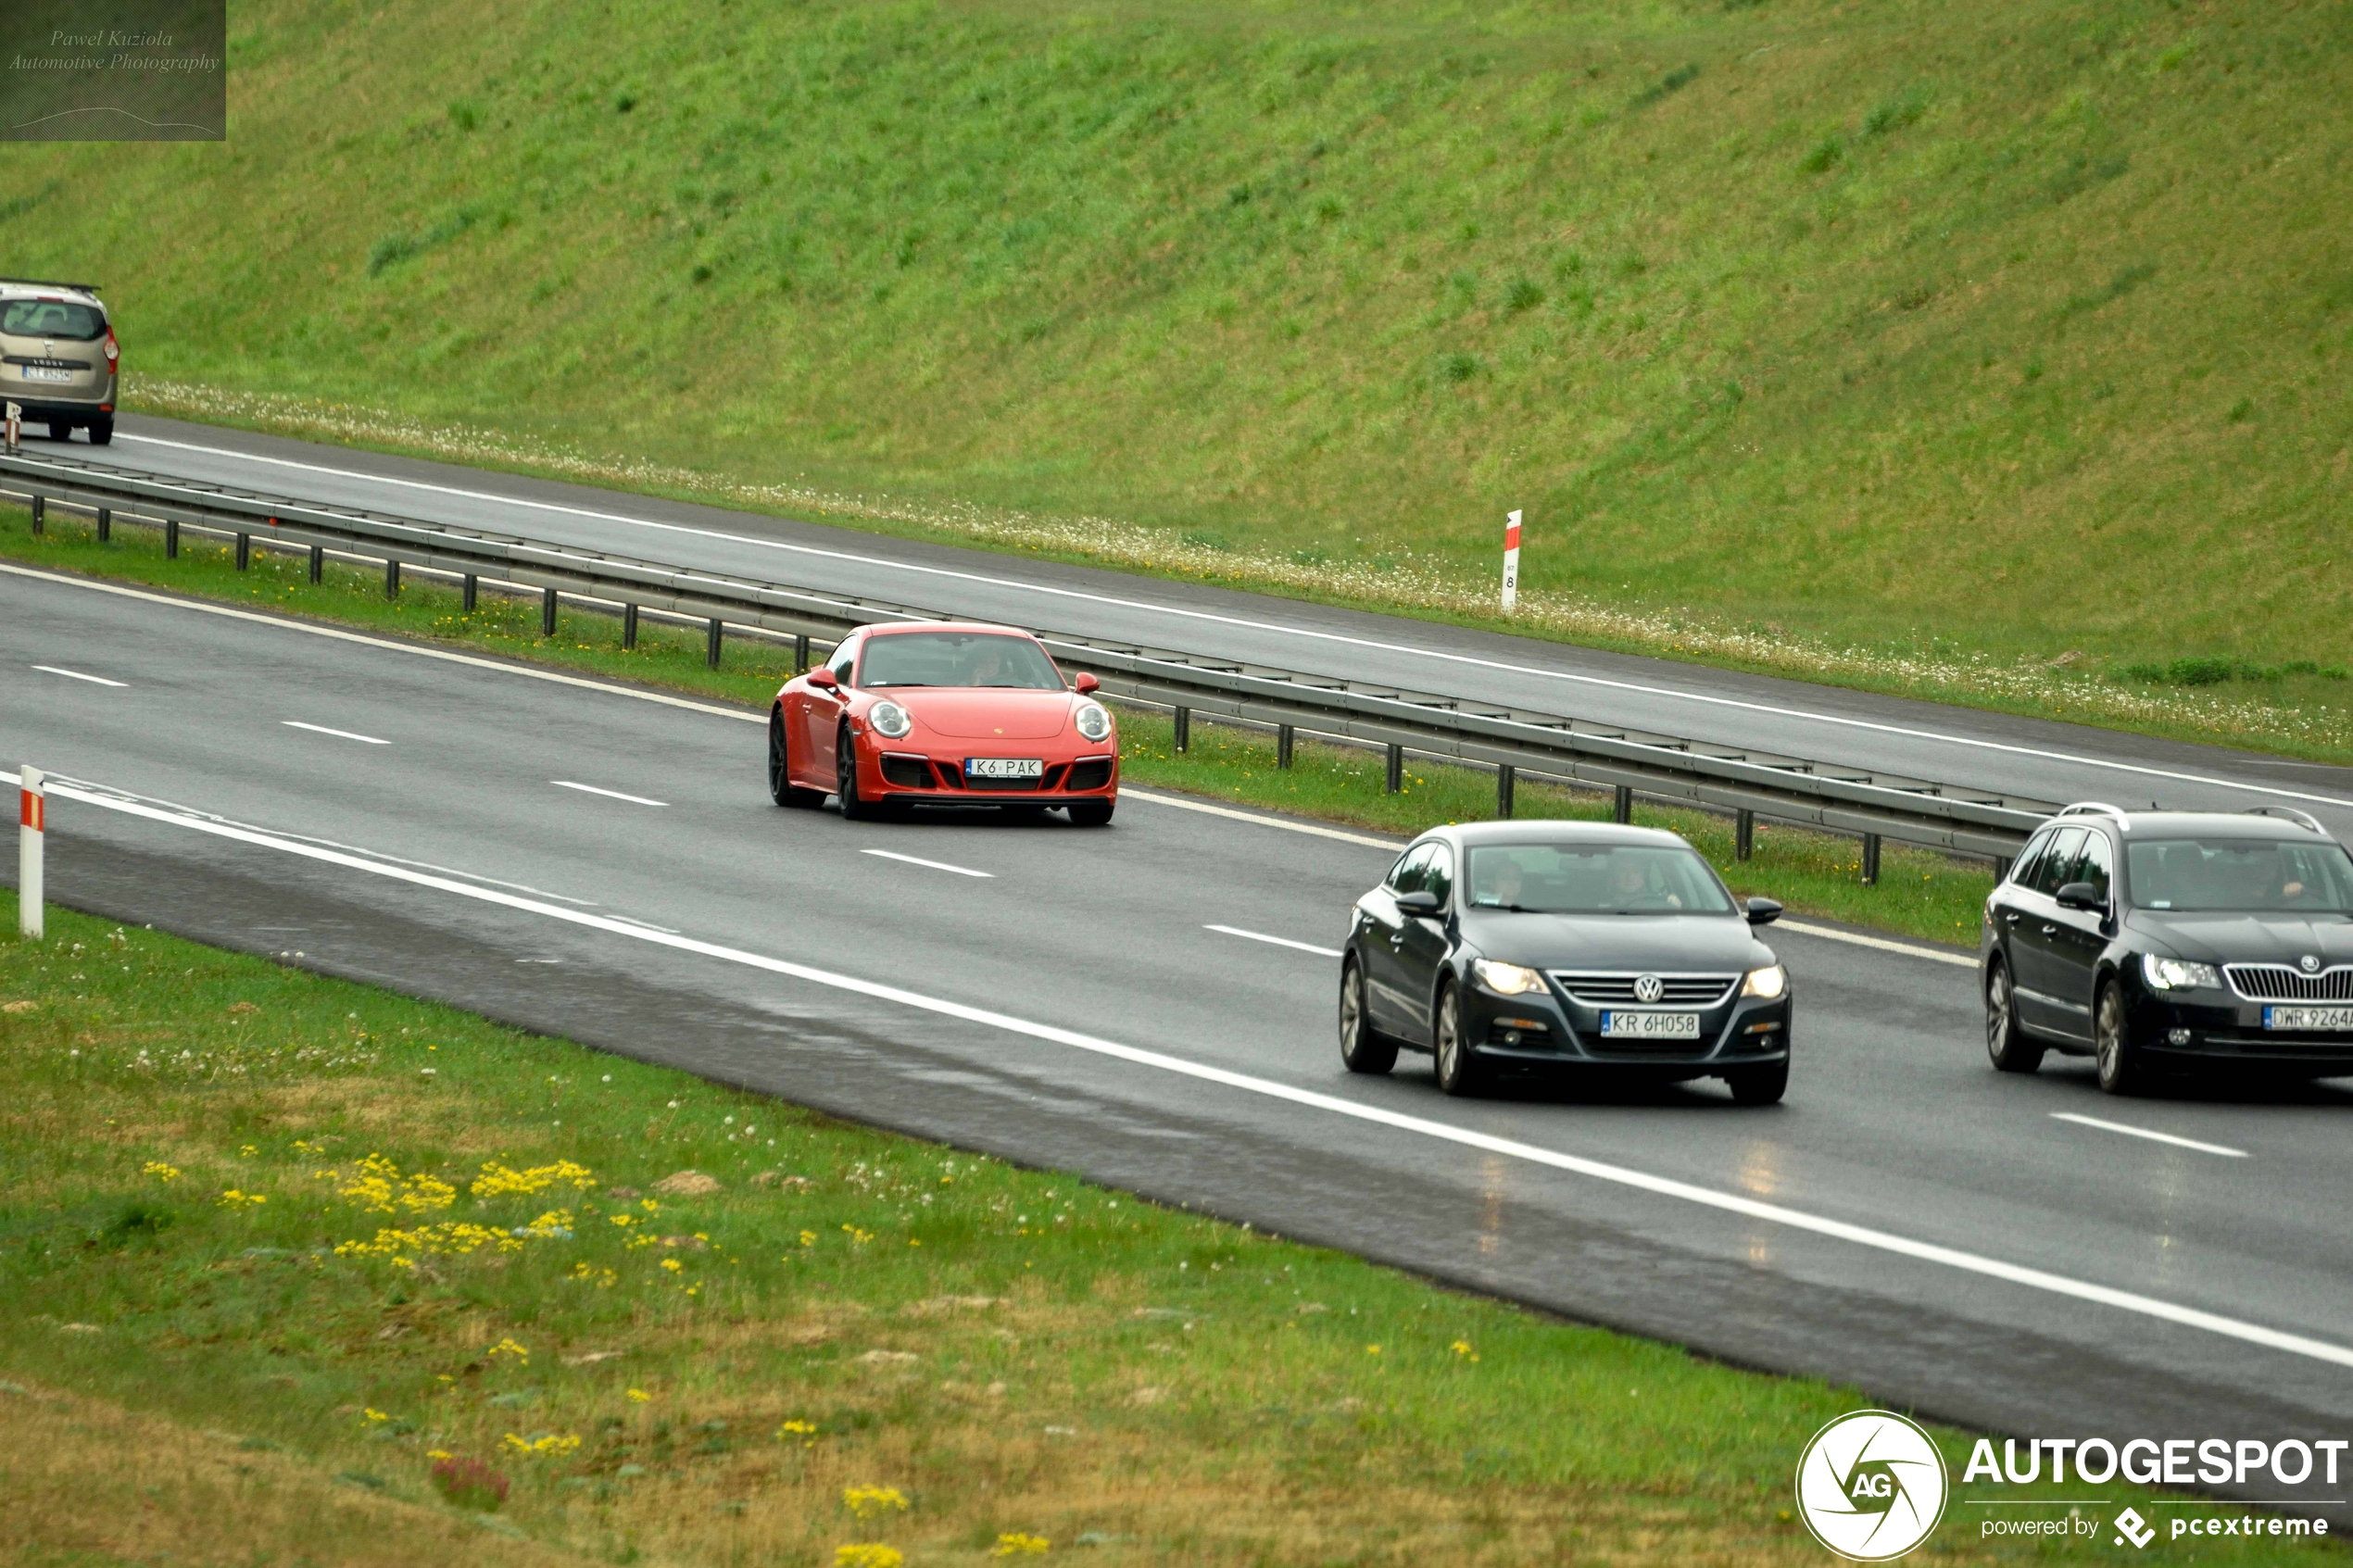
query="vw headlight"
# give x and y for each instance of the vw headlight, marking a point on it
(890, 720)
(1093, 721)
(1507, 979)
(2176, 975)
(1767, 982)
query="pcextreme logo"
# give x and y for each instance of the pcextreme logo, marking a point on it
(1870, 1485)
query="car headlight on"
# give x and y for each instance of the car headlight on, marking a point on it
(890, 720)
(1093, 721)
(2177, 974)
(1770, 981)
(1507, 979)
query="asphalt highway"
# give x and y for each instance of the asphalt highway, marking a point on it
(2022, 1255)
(1949, 745)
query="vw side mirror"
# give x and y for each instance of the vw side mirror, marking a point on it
(1085, 684)
(1417, 906)
(1763, 912)
(2081, 895)
(824, 679)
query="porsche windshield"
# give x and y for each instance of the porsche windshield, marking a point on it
(957, 658)
(2262, 875)
(1594, 879)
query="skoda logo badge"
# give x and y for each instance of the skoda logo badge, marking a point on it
(1649, 988)
(2311, 964)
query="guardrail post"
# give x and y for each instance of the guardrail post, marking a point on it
(1506, 776)
(31, 799)
(171, 538)
(245, 551)
(392, 579)
(629, 631)
(1184, 729)
(40, 513)
(1393, 776)
(1621, 807)
(547, 612)
(1744, 835)
(1284, 735)
(711, 648)
(801, 654)
(1870, 859)
(106, 525)
(468, 591)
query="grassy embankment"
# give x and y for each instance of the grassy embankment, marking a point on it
(1986, 352)
(1918, 895)
(270, 1243)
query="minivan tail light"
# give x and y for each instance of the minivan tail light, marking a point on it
(114, 352)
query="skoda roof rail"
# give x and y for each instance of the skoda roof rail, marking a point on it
(2097, 808)
(2304, 820)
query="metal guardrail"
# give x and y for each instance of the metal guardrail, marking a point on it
(1748, 784)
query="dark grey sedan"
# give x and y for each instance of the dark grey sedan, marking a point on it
(1502, 946)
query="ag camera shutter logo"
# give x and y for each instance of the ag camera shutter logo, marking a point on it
(1871, 1486)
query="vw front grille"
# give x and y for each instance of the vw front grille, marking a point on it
(1675, 990)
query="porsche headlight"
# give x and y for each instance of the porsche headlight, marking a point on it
(890, 720)
(1767, 982)
(1507, 979)
(2177, 974)
(1093, 721)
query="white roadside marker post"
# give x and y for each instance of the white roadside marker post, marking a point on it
(1511, 561)
(16, 420)
(31, 799)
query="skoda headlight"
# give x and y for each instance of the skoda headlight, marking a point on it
(889, 719)
(2176, 975)
(1767, 982)
(1093, 721)
(1507, 979)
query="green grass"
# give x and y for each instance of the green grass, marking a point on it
(1919, 894)
(208, 1158)
(1916, 344)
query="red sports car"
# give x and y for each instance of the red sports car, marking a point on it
(943, 714)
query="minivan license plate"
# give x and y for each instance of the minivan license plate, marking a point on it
(47, 373)
(1003, 767)
(2308, 1018)
(1650, 1025)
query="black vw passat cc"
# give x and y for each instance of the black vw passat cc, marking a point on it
(1525, 947)
(2161, 942)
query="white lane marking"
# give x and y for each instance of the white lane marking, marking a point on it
(1440, 654)
(609, 794)
(1881, 943)
(338, 635)
(1276, 941)
(78, 675)
(1619, 1176)
(1392, 845)
(934, 865)
(339, 734)
(2224, 1151)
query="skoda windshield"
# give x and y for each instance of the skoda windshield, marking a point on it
(2250, 876)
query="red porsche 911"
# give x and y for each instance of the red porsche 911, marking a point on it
(943, 714)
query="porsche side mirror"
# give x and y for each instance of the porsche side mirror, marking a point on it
(1085, 684)
(1417, 906)
(2081, 895)
(1763, 912)
(824, 679)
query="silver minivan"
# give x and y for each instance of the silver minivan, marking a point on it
(58, 357)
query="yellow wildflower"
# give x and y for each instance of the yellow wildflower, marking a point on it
(638, 1396)
(1017, 1544)
(160, 1171)
(672, 1264)
(804, 1430)
(499, 1181)
(233, 1199)
(373, 1414)
(508, 1347)
(868, 1502)
(867, 1554)
(546, 1445)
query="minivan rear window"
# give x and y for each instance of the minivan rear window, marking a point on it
(52, 318)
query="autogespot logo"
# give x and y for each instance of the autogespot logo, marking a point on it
(1870, 1485)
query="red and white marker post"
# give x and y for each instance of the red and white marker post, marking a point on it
(1511, 561)
(31, 798)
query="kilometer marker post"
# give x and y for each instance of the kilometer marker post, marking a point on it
(1511, 561)
(31, 798)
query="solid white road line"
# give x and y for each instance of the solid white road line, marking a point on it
(1881, 943)
(1276, 941)
(608, 794)
(1618, 1175)
(1392, 845)
(78, 675)
(339, 734)
(934, 865)
(2223, 1150)
(1439, 655)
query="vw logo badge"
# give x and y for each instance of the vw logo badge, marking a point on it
(2311, 964)
(1649, 988)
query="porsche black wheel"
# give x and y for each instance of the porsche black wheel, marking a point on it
(846, 778)
(781, 788)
